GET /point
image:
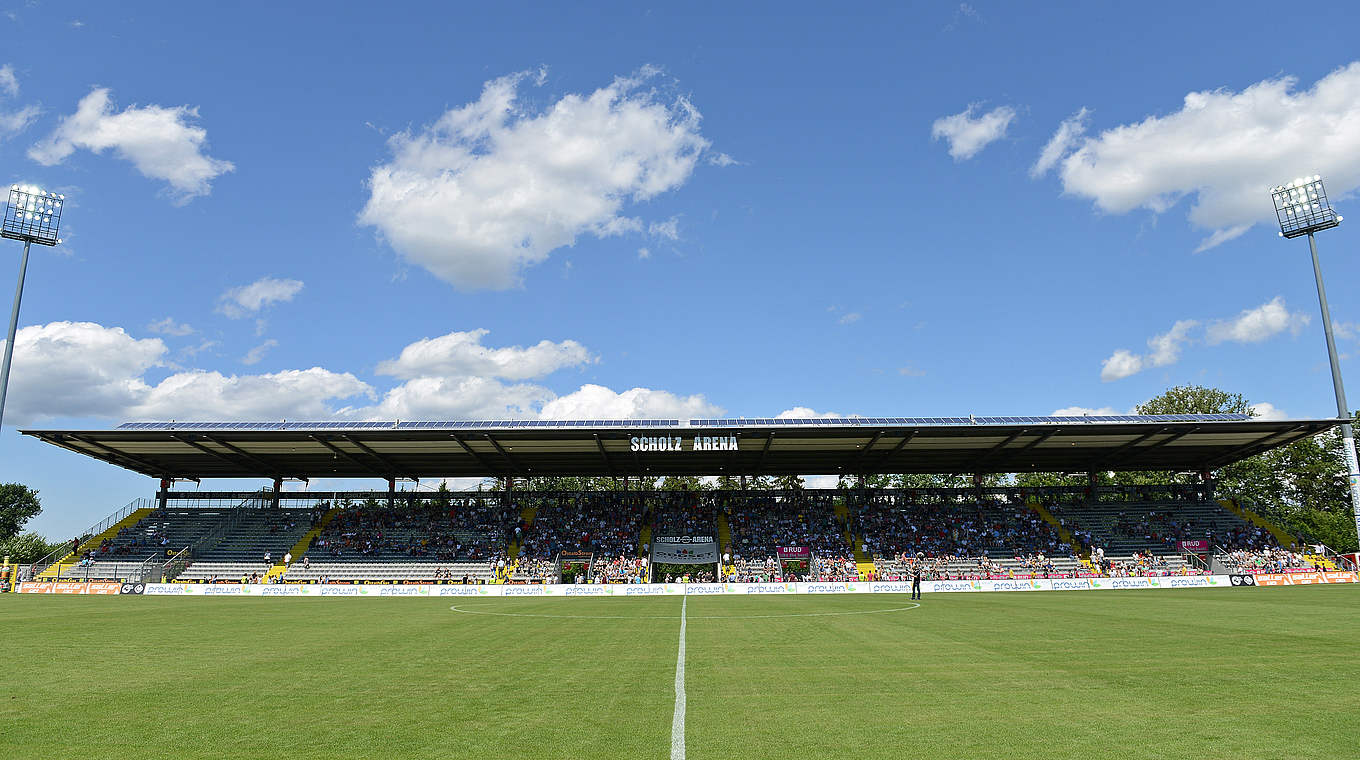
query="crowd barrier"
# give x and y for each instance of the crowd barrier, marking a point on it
(678, 589)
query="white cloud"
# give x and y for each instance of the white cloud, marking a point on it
(910, 371)
(1084, 411)
(1255, 325)
(1268, 412)
(669, 229)
(449, 398)
(1219, 237)
(1062, 141)
(14, 122)
(596, 401)
(1249, 326)
(850, 318)
(1165, 349)
(169, 326)
(455, 376)
(967, 135)
(83, 369)
(493, 187)
(246, 300)
(291, 394)
(254, 355)
(806, 413)
(160, 142)
(722, 159)
(9, 84)
(78, 369)
(462, 354)
(1121, 364)
(644, 253)
(1226, 149)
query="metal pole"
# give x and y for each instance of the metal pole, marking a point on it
(1342, 410)
(13, 327)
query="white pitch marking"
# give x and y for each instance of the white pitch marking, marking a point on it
(456, 608)
(678, 720)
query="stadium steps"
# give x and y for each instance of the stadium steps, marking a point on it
(526, 516)
(725, 539)
(1063, 533)
(864, 563)
(61, 566)
(1279, 533)
(300, 547)
(1318, 560)
(644, 538)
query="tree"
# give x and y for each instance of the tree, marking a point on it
(1300, 487)
(682, 483)
(934, 480)
(1195, 399)
(727, 483)
(18, 505)
(789, 482)
(24, 548)
(442, 496)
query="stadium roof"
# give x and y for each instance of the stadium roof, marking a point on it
(764, 446)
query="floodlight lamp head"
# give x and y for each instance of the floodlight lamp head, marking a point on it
(1302, 207)
(32, 215)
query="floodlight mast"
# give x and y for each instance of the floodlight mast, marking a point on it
(32, 216)
(1302, 208)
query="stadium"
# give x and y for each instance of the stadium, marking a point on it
(503, 382)
(805, 624)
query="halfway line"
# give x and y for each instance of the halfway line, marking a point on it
(678, 722)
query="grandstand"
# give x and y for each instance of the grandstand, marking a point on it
(508, 534)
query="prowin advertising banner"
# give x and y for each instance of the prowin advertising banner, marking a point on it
(676, 589)
(684, 552)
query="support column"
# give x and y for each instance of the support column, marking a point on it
(1091, 480)
(274, 498)
(161, 495)
(391, 491)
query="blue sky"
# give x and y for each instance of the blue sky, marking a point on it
(432, 212)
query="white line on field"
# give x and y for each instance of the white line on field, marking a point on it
(678, 721)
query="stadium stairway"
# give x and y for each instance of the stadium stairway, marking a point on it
(1318, 560)
(300, 547)
(58, 568)
(1063, 533)
(1281, 535)
(725, 540)
(526, 516)
(864, 563)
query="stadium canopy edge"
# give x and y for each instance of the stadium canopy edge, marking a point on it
(657, 447)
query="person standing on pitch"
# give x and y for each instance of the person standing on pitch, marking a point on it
(916, 579)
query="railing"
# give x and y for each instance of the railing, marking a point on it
(1194, 561)
(175, 565)
(57, 555)
(1341, 561)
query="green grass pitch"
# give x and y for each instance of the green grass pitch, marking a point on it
(1218, 673)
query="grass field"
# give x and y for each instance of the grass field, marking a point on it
(1217, 673)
